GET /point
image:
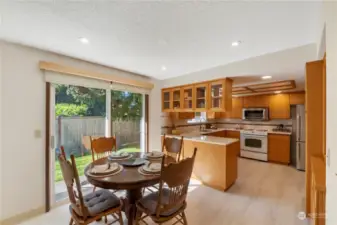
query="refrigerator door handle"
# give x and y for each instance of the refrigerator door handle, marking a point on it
(298, 128)
(298, 155)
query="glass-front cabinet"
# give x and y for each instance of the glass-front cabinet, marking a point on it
(176, 93)
(216, 95)
(166, 100)
(210, 96)
(201, 97)
(188, 98)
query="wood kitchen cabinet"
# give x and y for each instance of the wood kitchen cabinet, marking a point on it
(220, 95)
(210, 96)
(214, 115)
(166, 97)
(256, 101)
(182, 115)
(177, 99)
(279, 106)
(221, 133)
(237, 105)
(234, 134)
(201, 97)
(279, 148)
(297, 98)
(188, 99)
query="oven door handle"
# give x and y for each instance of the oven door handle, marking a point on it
(254, 135)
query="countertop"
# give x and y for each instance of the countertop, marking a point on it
(206, 139)
(238, 130)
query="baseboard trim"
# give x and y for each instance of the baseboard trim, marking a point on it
(23, 216)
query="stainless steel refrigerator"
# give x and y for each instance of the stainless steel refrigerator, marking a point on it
(298, 137)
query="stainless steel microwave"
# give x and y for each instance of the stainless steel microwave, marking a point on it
(256, 114)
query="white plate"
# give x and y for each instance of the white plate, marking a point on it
(104, 169)
(119, 155)
(152, 167)
(154, 154)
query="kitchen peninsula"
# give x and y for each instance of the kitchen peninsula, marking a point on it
(216, 163)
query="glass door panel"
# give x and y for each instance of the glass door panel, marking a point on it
(78, 113)
(176, 99)
(201, 97)
(166, 100)
(188, 98)
(216, 95)
(127, 120)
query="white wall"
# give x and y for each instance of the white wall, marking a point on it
(321, 39)
(155, 116)
(330, 14)
(23, 111)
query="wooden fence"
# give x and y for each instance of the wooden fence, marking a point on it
(70, 130)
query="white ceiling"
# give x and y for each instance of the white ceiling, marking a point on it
(143, 36)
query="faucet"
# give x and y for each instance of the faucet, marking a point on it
(202, 127)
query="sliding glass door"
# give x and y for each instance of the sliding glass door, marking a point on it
(127, 120)
(78, 113)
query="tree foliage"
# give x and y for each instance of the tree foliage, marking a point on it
(124, 105)
(65, 109)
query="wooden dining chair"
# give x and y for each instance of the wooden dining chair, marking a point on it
(170, 201)
(172, 147)
(102, 147)
(92, 207)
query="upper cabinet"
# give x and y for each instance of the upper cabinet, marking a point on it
(166, 97)
(221, 95)
(188, 98)
(279, 106)
(256, 101)
(201, 97)
(212, 96)
(237, 105)
(297, 98)
(177, 99)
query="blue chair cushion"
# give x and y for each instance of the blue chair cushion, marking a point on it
(150, 203)
(100, 201)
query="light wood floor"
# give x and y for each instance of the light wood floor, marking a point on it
(264, 194)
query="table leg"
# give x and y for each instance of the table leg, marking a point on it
(130, 208)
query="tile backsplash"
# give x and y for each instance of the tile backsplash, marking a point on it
(168, 123)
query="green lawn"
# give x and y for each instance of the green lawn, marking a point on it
(82, 162)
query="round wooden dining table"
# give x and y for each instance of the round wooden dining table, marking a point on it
(129, 179)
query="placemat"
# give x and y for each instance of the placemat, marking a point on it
(140, 170)
(120, 159)
(108, 175)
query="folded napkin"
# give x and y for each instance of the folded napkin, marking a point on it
(118, 154)
(138, 161)
(106, 168)
(153, 167)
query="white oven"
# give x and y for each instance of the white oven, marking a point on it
(254, 145)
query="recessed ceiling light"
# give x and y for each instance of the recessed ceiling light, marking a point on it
(236, 43)
(163, 68)
(84, 40)
(266, 77)
(278, 92)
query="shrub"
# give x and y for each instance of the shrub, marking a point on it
(65, 109)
